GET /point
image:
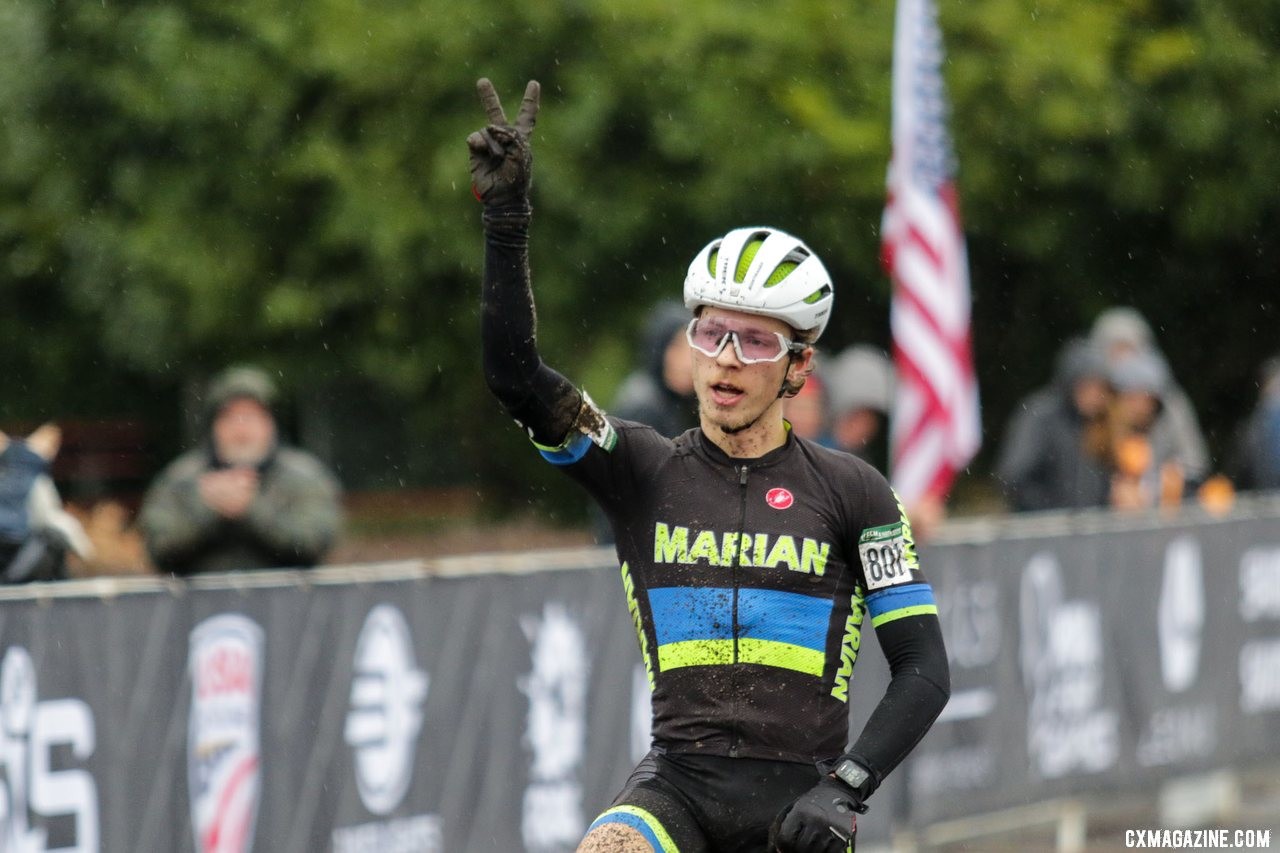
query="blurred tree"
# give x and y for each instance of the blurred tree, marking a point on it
(188, 184)
(1121, 153)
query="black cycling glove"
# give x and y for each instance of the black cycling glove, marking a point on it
(822, 820)
(501, 158)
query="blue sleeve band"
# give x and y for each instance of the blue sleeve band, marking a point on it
(899, 598)
(569, 453)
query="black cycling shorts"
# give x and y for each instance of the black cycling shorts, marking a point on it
(707, 803)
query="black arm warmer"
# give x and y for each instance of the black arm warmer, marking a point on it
(542, 400)
(917, 693)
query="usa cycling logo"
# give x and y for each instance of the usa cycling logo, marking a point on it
(223, 766)
(779, 498)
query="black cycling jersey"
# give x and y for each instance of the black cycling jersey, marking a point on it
(748, 579)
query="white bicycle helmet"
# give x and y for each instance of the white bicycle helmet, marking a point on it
(762, 271)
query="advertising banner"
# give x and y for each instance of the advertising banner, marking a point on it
(1101, 662)
(502, 711)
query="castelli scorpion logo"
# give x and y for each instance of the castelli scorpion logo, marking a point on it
(779, 498)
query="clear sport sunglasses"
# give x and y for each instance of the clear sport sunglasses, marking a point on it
(753, 346)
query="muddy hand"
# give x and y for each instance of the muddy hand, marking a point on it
(501, 157)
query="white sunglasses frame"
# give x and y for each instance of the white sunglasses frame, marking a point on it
(789, 347)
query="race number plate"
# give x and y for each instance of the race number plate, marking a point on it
(887, 559)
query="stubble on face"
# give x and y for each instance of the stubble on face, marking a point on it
(731, 420)
(733, 399)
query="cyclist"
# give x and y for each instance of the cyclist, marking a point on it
(749, 556)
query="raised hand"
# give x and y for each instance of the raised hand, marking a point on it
(501, 158)
(45, 441)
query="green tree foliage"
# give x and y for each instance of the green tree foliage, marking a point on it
(1122, 153)
(187, 184)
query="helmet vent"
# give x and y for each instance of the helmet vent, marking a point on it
(794, 259)
(784, 269)
(818, 294)
(748, 255)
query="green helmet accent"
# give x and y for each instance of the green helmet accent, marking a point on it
(784, 269)
(744, 262)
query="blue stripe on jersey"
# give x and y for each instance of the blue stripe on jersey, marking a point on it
(899, 597)
(784, 617)
(691, 613)
(702, 613)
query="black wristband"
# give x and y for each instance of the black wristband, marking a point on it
(855, 773)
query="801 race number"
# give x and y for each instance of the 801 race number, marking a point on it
(884, 556)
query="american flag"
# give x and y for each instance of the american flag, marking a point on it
(935, 429)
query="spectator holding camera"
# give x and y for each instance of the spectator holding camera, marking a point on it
(242, 500)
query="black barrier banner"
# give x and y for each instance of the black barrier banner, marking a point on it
(487, 713)
(499, 712)
(1103, 661)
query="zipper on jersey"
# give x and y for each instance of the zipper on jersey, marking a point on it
(743, 470)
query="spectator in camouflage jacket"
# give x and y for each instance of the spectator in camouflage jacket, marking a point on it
(241, 501)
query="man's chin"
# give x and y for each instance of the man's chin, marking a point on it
(729, 422)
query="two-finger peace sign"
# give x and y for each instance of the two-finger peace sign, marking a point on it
(525, 119)
(501, 160)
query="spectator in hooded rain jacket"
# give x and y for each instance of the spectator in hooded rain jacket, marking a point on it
(660, 392)
(1256, 460)
(1056, 448)
(1122, 332)
(242, 500)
